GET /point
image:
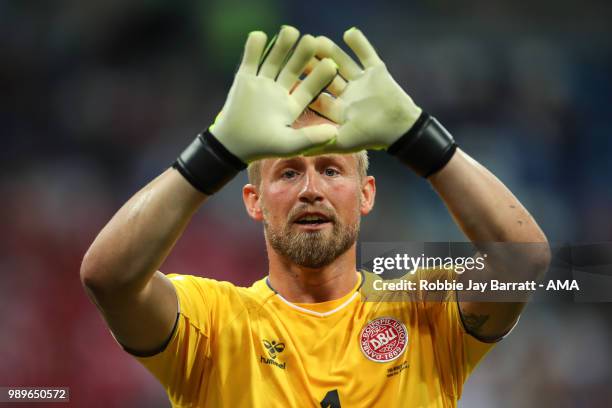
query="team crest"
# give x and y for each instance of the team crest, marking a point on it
(383, 339)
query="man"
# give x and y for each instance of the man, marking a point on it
(303, 336)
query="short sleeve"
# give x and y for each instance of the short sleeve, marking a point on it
(182, 366)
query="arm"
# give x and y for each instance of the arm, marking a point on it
(119, 270)
(376, 113)
(486, 211)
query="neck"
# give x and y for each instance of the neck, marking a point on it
(299, 284)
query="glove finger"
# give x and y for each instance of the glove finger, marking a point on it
(337, 85)
(298, 62)
(307, 70)
(314, 83)
(253, 48)
(329, 107)
(284, 42)
(326, 48)
(310, 138)
(311, 65)
(358, 42)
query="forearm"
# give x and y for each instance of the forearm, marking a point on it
(481, 205)
(134, 243)
(488, 214)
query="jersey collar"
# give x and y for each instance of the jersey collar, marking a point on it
(323, 309)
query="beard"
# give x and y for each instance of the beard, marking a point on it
(311, 249)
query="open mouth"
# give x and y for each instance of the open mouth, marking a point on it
(312, 219)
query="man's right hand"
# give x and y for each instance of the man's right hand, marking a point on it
(120, 269)
(255, 120)
(261, 106)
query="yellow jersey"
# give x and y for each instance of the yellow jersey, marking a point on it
(250, 347)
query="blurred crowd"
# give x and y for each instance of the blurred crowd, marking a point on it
(97, 98)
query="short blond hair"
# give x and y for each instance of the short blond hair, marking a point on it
(363, 162)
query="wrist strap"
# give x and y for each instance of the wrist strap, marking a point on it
(207, 164)
(426, 147)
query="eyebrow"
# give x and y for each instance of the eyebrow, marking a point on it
(296, 161)
(333, 158)
(323, 157)
(282, 162)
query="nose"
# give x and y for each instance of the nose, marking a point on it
(311, 188)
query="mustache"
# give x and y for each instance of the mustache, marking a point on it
(326, 211)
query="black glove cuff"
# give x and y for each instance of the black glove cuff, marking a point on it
(207, 164)
(426, 147)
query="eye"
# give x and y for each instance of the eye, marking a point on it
(289, 174)
(331, 172)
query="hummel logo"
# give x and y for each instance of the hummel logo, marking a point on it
(273, 348)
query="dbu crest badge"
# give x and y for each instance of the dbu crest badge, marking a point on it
(383, 339)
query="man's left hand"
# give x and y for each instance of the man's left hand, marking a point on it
(373, 111)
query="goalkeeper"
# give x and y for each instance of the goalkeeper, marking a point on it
(301, 336)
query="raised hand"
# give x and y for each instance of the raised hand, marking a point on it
(372, 109)
(255, 120)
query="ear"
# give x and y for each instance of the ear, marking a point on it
(252, 202)
(368, 194)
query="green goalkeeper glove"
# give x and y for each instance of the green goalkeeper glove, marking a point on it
(255, 121)
(374, 111)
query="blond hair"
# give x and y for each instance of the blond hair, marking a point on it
(363, 162)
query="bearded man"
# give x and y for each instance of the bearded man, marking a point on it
(303, 336)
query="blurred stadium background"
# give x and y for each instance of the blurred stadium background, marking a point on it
(98, 97)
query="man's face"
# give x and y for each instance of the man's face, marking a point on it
(311, 207)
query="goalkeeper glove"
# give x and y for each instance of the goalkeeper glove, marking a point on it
(255, 121)
(375, 113)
